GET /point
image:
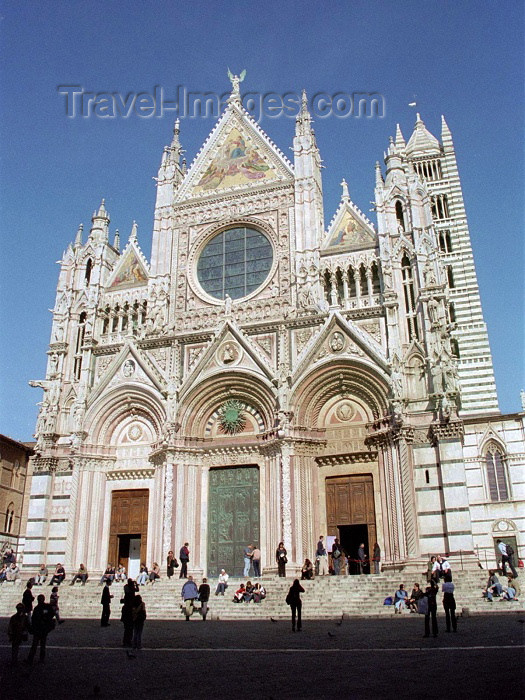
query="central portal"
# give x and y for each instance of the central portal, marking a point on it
(233, 517)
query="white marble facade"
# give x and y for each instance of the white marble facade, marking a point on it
(356, 349)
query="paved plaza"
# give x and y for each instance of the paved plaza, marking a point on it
(355, 658)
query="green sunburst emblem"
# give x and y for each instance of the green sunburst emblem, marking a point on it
(231, 417)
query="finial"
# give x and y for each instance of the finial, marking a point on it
(133, 234)
(345, 197)
(522, 396)
(235, 81)
(78, 238)
(379, 174)
(116, 242)
(400, 141)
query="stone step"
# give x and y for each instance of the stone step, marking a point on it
(325, 597)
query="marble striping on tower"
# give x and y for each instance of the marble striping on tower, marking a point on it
(264, 378)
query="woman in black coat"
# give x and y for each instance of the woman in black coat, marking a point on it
(171, 564)
(294, 601)
(280, 556)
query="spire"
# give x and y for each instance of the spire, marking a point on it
(422, 140)
(445, 131)
(100, 223)
(303, 121)
(400, 141)
(133, 234)
(78, 237)
(174, 150)
(116, 242)
(345, 196)
(379, 174)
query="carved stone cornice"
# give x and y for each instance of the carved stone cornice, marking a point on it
(451, 430)
(387, 431)
(349, 458)
(93, 464)
(125, 474)
(50, 464)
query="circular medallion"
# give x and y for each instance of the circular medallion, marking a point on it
(135, 433)
(337, 342)
(228, 354)
(231, 417)
(128, 368)
(503, 525)
(345, 411)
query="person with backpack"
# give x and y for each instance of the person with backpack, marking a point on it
(42, 624)
(337, 554)
(430, 609)
(507, 557)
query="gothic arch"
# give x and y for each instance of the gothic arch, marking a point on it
(339, 377)
(108, 412)
(204, 399)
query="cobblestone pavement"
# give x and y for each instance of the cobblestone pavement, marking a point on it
(355, 658)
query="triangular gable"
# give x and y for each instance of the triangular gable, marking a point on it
(121, 370)
(236, 155)
(341, 338)
(230, 350)
(131, 270)
(349, 230)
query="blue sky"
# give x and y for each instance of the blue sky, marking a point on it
(464, 60)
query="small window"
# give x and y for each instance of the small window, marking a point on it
(450, 277)
(400, 215)
(496, 478)
(89, 267)
(427, 476)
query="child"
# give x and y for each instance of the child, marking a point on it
(53, 602)
(17, 631)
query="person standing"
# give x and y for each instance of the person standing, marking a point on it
(139, 618)
(171, 564)
(361, 558)
(189, 593)
(337, 554)
(42, 625)
(377, 558)
(449, 602)
(204, 596)
(105, 600)
(53, 602)
(27, 600)
(507, 557)
(17, 631)
(184, 556)
(431, 594)
(293, 599)
(128, 601)
(321, 557)
(281, 559)
(256, 561)
(247, 555)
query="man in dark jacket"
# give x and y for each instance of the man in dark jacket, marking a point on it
(361, 556)
(204, 596)
(106, 603)
(130, 591)
(42, 624)
(184, 556)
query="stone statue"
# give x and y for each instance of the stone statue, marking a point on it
(59, 333)
(235, 81)
(428, 274)
(228, 302)
(433, 310)
(128, 368)
(397, 381)
(53, 364)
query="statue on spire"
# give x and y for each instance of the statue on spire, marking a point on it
(236, 80)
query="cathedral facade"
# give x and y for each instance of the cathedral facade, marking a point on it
(265, 378)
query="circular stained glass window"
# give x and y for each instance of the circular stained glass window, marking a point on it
(235, 262)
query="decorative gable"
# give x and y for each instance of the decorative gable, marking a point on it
(349, 230)
(131, 270)
(237, 154)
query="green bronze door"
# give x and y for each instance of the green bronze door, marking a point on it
(233, 517)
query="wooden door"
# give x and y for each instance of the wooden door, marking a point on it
(129, 516)
(350, 501)
(233, 517)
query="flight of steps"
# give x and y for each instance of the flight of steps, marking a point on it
(324, 598)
